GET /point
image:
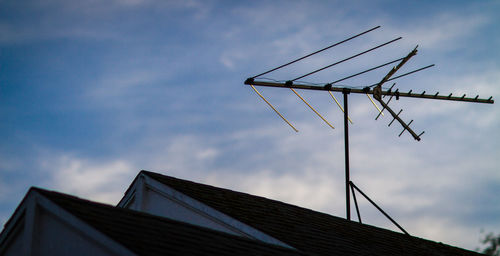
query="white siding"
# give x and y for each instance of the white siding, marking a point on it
(54, 237)
(155, 203)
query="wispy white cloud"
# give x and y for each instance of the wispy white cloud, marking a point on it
(87, 20)
(4, 190)
(103, 181)
(308, 188)
(442, 32)
(446, 229)
(184, 154)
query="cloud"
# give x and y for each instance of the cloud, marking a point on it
(186, 153)
(4, 190)
(100, 181)
(446, 229)
(442, 32)
(89, 19)
(308, 188)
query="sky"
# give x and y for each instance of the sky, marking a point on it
(92, 92)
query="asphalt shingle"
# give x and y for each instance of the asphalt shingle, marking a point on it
(312, 232)
(146, 234)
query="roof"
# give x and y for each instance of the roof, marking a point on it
(312, 232)
(147, 234)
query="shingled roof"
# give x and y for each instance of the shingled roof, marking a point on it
(312, 232)
(146, 234)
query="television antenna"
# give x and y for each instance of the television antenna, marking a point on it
(376, 91)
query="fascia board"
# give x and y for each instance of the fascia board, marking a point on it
(12, 224)
(129, 194)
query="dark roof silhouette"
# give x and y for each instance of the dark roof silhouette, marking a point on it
(147, 234)
(311, 232)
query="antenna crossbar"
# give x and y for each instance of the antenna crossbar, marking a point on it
(405, 126)
(394, 69)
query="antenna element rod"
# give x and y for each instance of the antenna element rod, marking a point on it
(318, 51)
(298, 95)
(346, 59)
(284, 119)
(396, 116)
(368, 70)
(373, 102)
(338, 104)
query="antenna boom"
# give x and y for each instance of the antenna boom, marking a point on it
(364, 91)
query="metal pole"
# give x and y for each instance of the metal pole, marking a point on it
(346, 143)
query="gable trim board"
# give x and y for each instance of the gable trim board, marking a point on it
(138, 194)
(14, 227)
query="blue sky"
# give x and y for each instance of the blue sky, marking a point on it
(92, 92)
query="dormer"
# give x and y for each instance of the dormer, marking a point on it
(148, 194)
